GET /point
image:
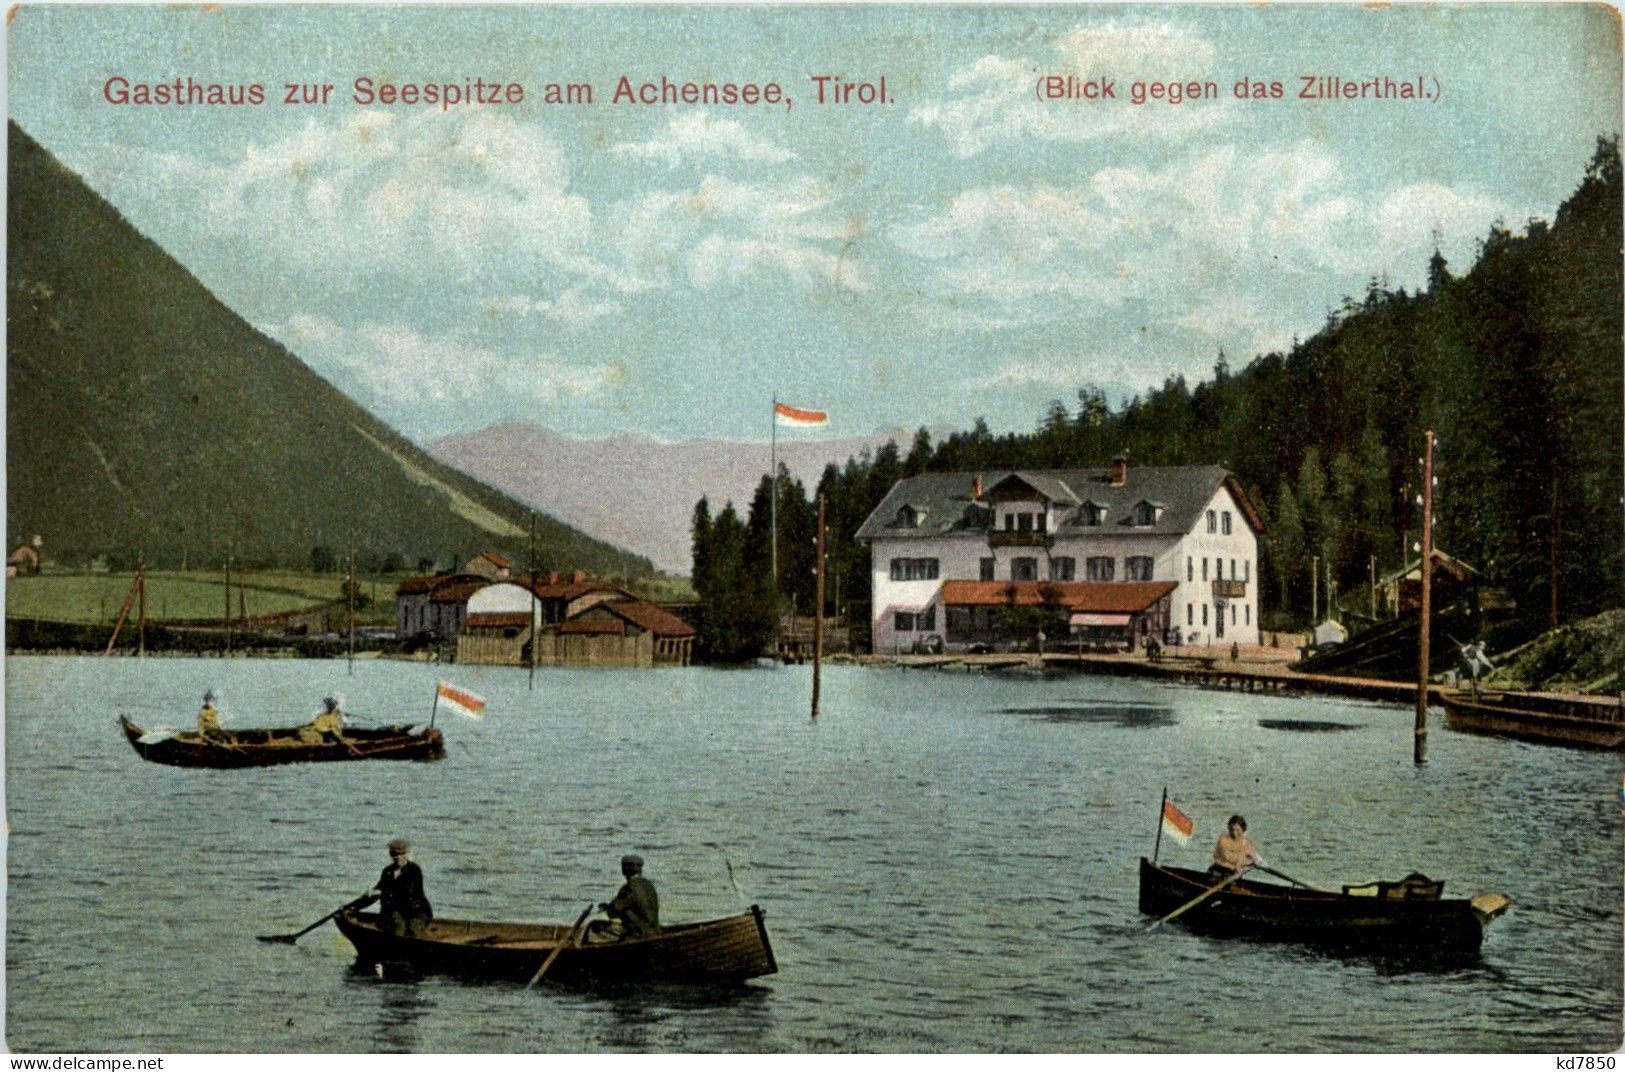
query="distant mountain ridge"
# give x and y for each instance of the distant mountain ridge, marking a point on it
(144, 416)
(632, 490)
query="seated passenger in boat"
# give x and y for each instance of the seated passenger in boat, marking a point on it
(327, 726)
(634, 912)
(1234, 853)
(208, 720)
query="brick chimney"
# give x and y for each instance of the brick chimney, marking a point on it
(578, 577)
(976, 488)
(1119, 475)
(553, 578)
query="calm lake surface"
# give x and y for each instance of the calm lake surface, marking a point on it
(947, 862)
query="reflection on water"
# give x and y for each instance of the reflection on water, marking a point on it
(401, 1007)
(1302, 725)
(1127, 715)
(947, 862)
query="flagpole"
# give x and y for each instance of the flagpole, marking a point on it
(436, 706)
(1162, 810)
(773, 435)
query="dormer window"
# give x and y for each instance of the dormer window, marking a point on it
(1145, 514)
(909, 517)
(1092, 515)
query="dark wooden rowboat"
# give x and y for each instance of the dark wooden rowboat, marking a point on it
(269, 747)
(719, 950)
(1550, 718)
(1402, 919)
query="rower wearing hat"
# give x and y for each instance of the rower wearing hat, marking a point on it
(405, 910)
(635, 911)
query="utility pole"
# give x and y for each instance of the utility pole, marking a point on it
(1314, 594)
(818, 611)
(1422, 660)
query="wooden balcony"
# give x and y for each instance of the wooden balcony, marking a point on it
(1230, 589)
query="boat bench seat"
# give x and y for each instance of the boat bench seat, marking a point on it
(1413, 887)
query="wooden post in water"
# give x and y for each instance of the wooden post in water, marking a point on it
(818, 610)
(227, 615)
(1423, 640)
(141, 603)
(349, 586)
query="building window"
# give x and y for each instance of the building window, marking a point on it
(1190, 568)
(1009, 522)
(1204, 613)
(1145, 514)
(1024, 522)
(907, 518)
(1064, 568)
(913, 569)
(1204, 571)
(1233, 573)
(903, 621)
(1212, 521)
(1137, 568)
(1226, 524)
(1218, 569)
(1092, 515)
(987, 568)
(927, 621)
(1024, 569)
(1246, 569)
(1247, 612)
(1190, 614)
(1100, 568)
(1232, 614)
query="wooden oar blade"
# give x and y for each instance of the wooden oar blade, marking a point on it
(285, 939)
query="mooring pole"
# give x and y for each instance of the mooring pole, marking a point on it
(1425, 636)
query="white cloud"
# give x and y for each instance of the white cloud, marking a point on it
(1216, 244)
(995, 98)
(723, 231)
(699, 134)
(396, 364)
(574, 307)
(388, 190)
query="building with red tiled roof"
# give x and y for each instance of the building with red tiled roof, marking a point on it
(435, 607)
(578, 622)
(1117, 554)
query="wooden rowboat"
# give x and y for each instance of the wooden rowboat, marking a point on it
(1550, 718)
(269, 747)
(718, 950)
(1408, 918)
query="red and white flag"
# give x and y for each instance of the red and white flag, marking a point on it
(461, 700)
(1176, 824)
(798, 418)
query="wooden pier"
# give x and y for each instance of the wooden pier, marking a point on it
(1263, 670)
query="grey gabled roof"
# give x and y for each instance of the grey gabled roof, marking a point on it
(1181, 490)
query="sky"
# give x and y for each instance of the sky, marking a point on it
(958, 249)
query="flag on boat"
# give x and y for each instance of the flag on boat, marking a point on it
(798, 418)
(1176, 824)
(461, 700)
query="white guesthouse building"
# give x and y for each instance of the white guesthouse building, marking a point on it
(1120, 554)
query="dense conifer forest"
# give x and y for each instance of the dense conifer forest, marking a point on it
(1515, 363)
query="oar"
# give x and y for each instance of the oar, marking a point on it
(289, 939)
(1289, 878)
(569, 939)
(1198, 899)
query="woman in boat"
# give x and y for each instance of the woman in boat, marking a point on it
(1234, 853)
(405, 909)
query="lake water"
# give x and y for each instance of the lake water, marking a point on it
(947, 862)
